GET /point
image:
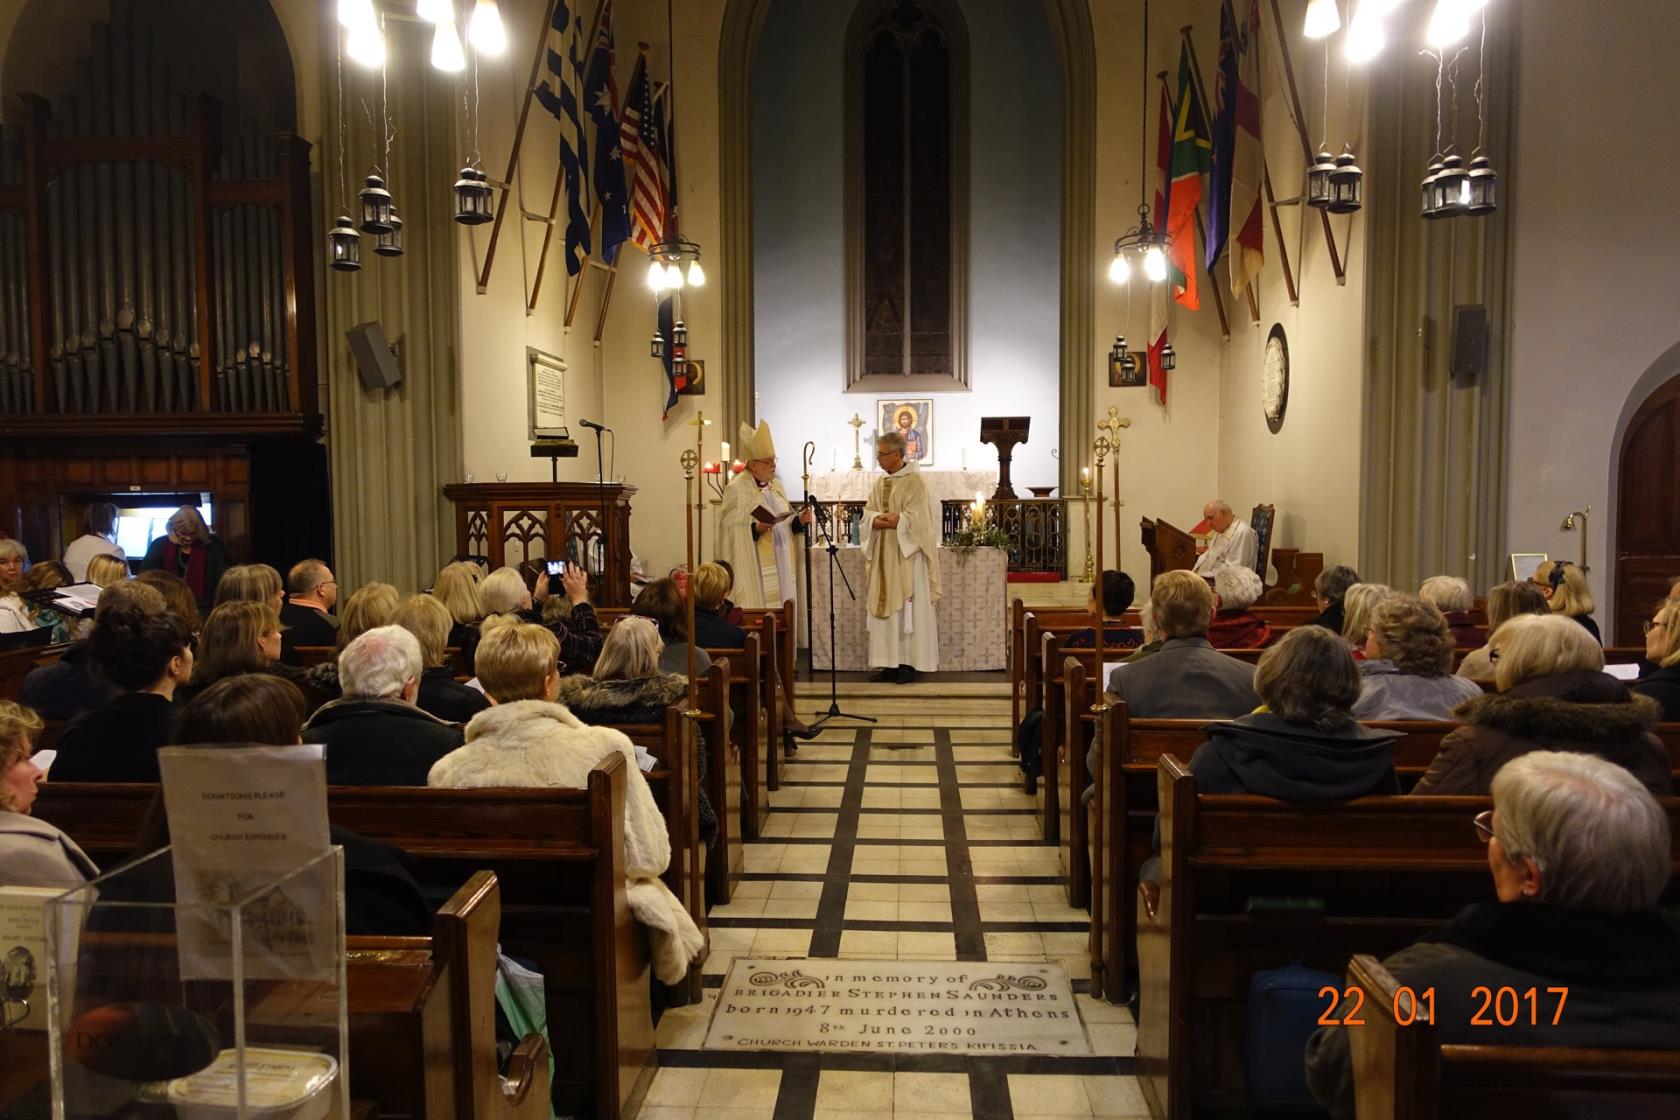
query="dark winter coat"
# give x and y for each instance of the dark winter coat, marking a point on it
(447, 698)
(379, 742)
(117, 742)
(66, 688)
(1587, 712)
(1663, 686)
(308, 626)
(1264, 755)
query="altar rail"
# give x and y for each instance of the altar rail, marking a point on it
(1039, 526)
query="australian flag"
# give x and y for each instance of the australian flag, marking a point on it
(600, 101)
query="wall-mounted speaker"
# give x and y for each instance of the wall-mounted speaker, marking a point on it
(1470, 340)
(376, 359)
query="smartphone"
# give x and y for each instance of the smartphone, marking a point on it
(556, 567)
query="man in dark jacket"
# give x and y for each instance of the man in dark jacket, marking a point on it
(1580, 855)
(313, 591)
(1188, 677)
(375, 736)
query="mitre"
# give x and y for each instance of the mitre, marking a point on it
(756, 443)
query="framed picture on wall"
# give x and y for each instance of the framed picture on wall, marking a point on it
(695, 386)
(1525, 564)
(912, 419)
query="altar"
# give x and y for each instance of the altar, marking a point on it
(942, 486)
(972, 611)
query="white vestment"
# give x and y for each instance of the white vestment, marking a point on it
(903, 625)
(1237, 547)
(764, 573)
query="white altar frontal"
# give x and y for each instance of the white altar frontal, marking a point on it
(972, 610)
(942, 486)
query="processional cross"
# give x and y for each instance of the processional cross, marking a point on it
(1112, 427)
(856, 424)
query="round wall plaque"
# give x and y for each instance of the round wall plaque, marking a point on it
(1274, 379)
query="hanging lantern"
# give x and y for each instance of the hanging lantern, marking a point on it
(376, 206)
(1482, 186)
(1318, 180)
(344, 246)
(1346, 185)
(1452, 186)
(1169, 357)
(472, 198)
(679, 333)
(1128, 366)
(679, 363)
(657, 349)
(1428, 188)
(390, 243)
(1118, 352)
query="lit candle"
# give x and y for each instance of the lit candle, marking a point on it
(1085, 475)
(737, 467)
(965, 458)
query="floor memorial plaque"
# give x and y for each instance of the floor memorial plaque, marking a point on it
(919, 1007)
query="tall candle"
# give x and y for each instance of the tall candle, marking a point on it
(965, 458)
(725, 456)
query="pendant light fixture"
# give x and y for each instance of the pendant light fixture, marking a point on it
(674, 260)
(1141, 243)
(1323, 19)
(484, 29)
(435, 11)
(1346, 185)
(657, 348)
(472, 197)
(447, 53)
(344, 246)
(1481, 182)
(390, 243)
(1431, 208)
(376, 205)
(1318, 180)
(1169, 357)
(1117, 353)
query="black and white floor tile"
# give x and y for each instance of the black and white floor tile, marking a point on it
(907, 839)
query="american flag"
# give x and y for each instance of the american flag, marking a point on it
(646, 169)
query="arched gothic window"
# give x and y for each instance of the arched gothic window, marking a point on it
(907, 197)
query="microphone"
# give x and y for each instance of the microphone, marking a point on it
(592, 426)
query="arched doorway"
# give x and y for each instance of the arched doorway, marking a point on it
(1647, 510)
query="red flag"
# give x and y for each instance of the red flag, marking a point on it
(1159, 305)
(1192, 156)
(1248, 167)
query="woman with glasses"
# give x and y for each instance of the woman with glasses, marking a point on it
(1565, 587)
(1662, 649)
(1505, 602)
(1580, 855)
(1553, 696)
(189, 550)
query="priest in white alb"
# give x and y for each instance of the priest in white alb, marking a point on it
(1235, 544)
(756, 525)
(901, 526)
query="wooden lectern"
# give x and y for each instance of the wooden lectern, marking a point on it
(1003, 433)
(511, 522)
(1170, 549)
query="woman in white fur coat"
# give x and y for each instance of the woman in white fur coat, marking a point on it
(527, 740)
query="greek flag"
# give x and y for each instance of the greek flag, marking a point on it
(558, 93)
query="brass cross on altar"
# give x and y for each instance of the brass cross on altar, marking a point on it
(856, 424)
(1114, 425)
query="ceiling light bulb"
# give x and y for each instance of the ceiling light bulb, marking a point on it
(355, 13)
(1322, 19)
(673, 276)
(1119, 269)
(1155, 264)
(447, 54)
(696, 276)
(434, 11)
(656, 281)
(1447, 24)
(365, 45)
(485, 31)
(1365, 38)
(1378, 8)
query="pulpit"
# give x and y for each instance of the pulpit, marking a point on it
(515, 522)
(1170, 549)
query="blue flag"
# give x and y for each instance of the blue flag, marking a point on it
(600, 101)
(1224, 140)
(558, 93)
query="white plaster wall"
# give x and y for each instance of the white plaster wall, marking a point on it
(1310, 469)
(798, 192)
(1592, 316)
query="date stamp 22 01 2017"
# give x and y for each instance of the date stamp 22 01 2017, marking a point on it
(1503, 1006)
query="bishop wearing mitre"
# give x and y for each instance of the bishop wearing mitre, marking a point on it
(755, 526)
(901, 548)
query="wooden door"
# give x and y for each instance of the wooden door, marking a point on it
(1648, 514)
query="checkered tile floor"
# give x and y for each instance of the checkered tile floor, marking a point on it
(908, 839)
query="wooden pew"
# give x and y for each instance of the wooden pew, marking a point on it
(1124, 809)
(558, 855)
(1407, 1073)
(725, 778)
(16, 663)
(1078, 723)
(1235, 873)
(754, 748)
(423, 1019)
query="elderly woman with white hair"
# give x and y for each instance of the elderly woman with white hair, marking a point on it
(1553, 696)
(15, 618)
(375, 735)
(1580, 856)
(1451, 596)
(525, 740)
(1234, 626)
(187, 549)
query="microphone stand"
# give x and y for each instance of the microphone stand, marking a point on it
(810, 643)
(601, 487)
(825, 520)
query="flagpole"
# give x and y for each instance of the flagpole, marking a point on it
(548, 236)
(518, 139)
(1297, 116)
(1201, 92)
(589, 258)
(1218, 297)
